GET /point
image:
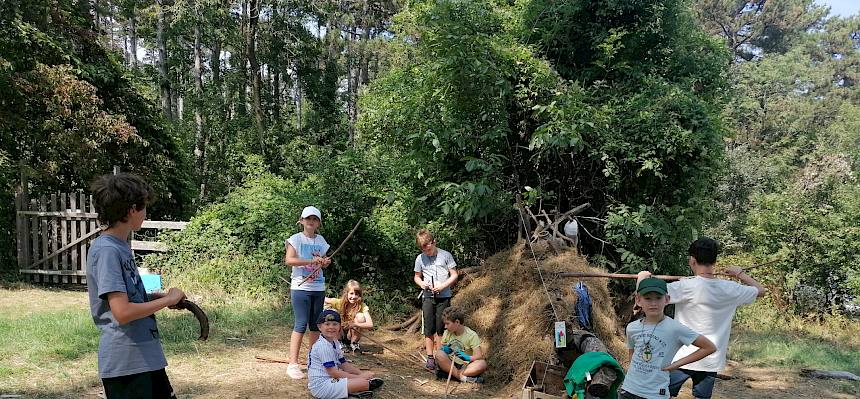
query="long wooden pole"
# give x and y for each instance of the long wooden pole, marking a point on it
(660, 276)
(616, 275)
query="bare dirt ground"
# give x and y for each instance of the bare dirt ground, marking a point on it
(237, 374)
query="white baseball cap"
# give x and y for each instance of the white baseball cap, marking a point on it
(311, 211)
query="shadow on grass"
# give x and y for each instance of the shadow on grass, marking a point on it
(792, 350)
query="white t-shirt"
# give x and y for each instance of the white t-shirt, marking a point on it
(306, 248)
(653, 347)
(435, 269)
(708, 305)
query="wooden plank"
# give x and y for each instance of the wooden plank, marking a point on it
(83, 238)
(94, 226)
(64, 231)
(25, 256)
(67, 214)
(44, 272)
(21, 229)
(43, 230)
(34, 238)
(82, 228)
(55, 235)
(154, 246)
(73, 234)
(160, 224)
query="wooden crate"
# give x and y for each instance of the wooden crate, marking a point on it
(545, 381)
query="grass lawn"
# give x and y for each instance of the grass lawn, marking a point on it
(48, 342)
(48, 347)
(763, 336)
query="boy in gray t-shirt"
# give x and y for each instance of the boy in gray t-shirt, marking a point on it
(652, 342)
(131, 361)
(435, 273)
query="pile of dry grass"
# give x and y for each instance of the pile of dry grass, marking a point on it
(507, 306)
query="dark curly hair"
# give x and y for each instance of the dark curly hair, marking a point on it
(454, 313)
(114, 195)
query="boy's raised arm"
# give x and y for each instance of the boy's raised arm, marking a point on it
(706, 347)
(739, 273)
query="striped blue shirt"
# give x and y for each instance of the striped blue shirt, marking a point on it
(323, 354)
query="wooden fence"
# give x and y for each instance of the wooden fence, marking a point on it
(53, 235)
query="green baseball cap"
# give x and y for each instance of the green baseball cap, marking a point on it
(652, 284)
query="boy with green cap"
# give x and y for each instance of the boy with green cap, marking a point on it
(652, 342)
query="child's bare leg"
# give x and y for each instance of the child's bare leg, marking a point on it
(444, 363)
(313, 336)
(428, 346)
(295, 345)
(354, 385)
(356, 332)
(474, 368)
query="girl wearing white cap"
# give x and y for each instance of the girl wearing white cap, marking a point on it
(305, 252)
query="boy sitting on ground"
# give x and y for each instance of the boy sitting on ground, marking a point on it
(461, 347)
(329, 375)
(653, 340)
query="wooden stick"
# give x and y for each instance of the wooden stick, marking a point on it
(316, 271)
(271, 360)
(345, 240)
(450, 372)
(660, 276)
(389, 349)
(616, 275)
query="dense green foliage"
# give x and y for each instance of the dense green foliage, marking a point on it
(791, 190)
(670, 118)
(70, 112)
(486, 99)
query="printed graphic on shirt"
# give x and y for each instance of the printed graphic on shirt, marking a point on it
(309, 251)
(649, 347)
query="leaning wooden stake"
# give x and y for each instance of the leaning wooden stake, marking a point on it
(450, 372)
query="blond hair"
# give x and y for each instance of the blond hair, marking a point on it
(423, 237)
(348, 310)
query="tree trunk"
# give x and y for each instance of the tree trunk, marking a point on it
(199, 119)
(132, 27)
(276, 81)
(250, 47)
(163, 81)
(240, 100)
(350, 83)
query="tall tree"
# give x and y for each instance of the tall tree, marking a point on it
(163, 78)
(750, 27)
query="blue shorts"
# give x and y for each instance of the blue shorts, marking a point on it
(307, 306)
(703, 382)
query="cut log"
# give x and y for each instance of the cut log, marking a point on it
(841, 375)
(405, 324)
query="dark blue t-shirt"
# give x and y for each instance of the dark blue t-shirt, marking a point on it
(134, 347)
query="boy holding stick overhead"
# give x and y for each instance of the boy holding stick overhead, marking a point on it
(707, 305)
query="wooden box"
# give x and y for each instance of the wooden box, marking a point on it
(545, 381)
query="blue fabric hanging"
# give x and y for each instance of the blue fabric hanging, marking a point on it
(583, 306)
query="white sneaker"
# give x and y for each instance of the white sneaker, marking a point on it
(295, 372)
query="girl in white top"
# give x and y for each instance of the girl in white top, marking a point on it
(305, 253)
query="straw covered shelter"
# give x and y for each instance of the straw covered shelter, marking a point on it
(507, 305)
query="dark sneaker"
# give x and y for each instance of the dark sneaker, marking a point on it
(441, 374)
(361, 395)
(473, 380)
(431, 363)
(375, 383)
(356, 348)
